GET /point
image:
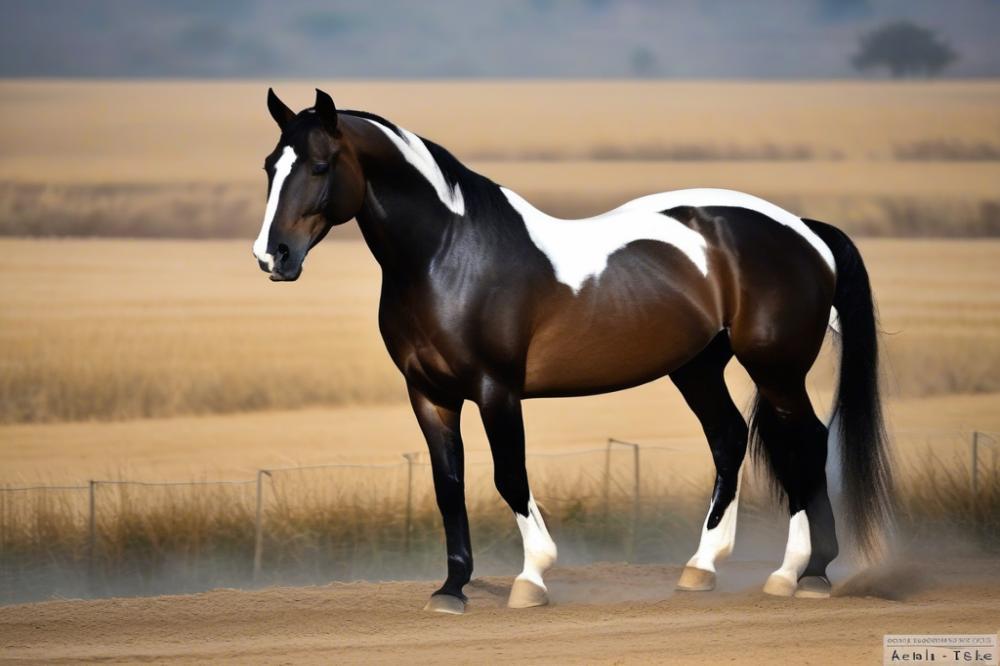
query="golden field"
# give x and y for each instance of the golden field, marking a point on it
(182, 159)
(162, 337)
(176, 359)
(219, 131)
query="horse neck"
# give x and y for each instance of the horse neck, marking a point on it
(401, 230)
(403, 219)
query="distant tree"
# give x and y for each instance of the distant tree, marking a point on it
(643, 62)
(905, 48)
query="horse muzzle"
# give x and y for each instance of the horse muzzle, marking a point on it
(281, 266)
(285, 275)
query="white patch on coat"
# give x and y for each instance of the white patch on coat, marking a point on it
(539, 549)
(579, 249)
(706, 196)
(717, 543)
(798, 550)
(416, 153)
(834, 319)
(281, 170)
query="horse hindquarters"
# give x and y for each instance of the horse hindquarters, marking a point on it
(777, 340)
(776, 335)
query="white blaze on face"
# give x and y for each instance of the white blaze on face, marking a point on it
(281, 170)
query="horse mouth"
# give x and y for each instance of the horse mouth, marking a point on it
(278, 276)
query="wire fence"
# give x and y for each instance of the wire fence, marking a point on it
(622, 500)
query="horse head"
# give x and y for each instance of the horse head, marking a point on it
(314, 180)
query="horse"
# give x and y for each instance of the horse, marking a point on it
(487, 299)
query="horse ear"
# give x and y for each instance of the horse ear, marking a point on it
(326, 111)
(281, 113)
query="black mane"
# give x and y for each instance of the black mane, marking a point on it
(481, 194)
(375, 118)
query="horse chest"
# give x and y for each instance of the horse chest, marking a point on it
(435, 341)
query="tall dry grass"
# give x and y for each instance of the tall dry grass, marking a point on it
(126, 329)
(350, 523)
(114, 369)
(941, 505)
(233, 210)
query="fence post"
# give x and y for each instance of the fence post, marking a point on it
(607, 483)
(3, 518)
(634, 522)
(975, 463)
(91, 527)
(993, 466)
(409, 501)
(258, 543)
(635, 504)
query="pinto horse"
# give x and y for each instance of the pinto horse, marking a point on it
(488, 299)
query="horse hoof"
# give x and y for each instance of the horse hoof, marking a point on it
(525, 594)
(813, 587)
(445, 603)
(694, 579)
(779, 586)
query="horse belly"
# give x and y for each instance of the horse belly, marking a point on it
(598, 341)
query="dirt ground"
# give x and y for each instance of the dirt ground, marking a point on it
(603, 613)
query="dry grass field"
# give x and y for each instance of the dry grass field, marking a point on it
(176, 360)
(217, 131)
(118, 329)
(182, 159)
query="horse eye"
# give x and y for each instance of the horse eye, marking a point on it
(320, 168)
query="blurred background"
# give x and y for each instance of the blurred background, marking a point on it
(453, 39)
(139, 340)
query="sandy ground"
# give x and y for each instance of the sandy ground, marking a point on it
(603, 613)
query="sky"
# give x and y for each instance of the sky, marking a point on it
(770, 39)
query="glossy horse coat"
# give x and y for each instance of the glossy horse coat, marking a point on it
(487, 299)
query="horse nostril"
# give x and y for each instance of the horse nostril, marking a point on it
(282, 252)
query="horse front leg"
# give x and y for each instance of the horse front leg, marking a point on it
(439, 421)
(501, 413)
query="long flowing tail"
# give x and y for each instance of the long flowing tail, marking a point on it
(865, 463)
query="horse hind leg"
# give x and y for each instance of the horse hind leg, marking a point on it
(794, 442)
(703, 386)
(777, 338)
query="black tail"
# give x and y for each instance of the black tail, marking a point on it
(858, 407)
